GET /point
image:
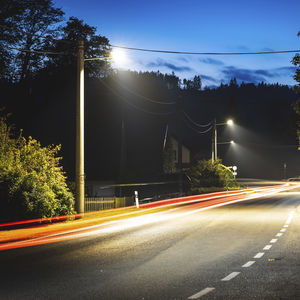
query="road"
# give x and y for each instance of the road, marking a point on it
(245, 250)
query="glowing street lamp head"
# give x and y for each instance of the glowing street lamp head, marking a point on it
(229, 122)
(231, 142)
(119, 57)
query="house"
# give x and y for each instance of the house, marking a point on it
(186, 153)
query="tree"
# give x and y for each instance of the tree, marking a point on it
(29, 25)
(32, 183)
(197, 84)
(296, 106)
(194, 84)
(94, 46)
(10, 15)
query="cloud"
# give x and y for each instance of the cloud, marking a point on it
(212, 61)
(285, 70)
(245, 75)
(243, 48)
(162, 63)
(255, 76)
(266, 49)
(208, 78)
(183, 58)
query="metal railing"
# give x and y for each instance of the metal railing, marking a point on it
(98, 203)
(102, 203)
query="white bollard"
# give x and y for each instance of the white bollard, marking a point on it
(136, 196)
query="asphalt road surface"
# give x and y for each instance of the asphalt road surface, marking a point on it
(246, 250)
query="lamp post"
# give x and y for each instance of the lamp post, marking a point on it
(214, 151)
(79, 164)
(79, 168)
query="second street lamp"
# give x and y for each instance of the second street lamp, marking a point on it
(214, 150)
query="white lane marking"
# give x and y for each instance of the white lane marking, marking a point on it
(279, 234)
(268, 247)
(259, 255)
(283, 230)
(285, 225)
(289, 219)
(248, 264)
(273, 241)
(201, 293)
(231, 276)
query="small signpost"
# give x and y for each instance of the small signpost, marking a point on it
(136, 196)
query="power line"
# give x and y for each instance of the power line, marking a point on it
(135, 106)
(192, 121)
(142, 96)
(197, 131)
(161, 51)
(204, 53)
(37, 51)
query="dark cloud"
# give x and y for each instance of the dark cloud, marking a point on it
(267, 49)
(286, 70)
(255, 76)
(212, 61)
(265, 73)
(208, 78)
(243, 48)
(183, 58)
(163, 63)
(245, 75)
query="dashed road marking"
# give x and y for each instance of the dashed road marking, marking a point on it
(259, 255)
(202, 293)
(248, 264)
(289, 219)
(267, 247)
(230, 276)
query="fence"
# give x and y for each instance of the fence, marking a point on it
(101, 203)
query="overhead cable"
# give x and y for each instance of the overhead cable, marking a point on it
(204, 53)
(37, 51)
(135, 106)
(197, 131)
(164, 51)
(142, 96)
(192, 121)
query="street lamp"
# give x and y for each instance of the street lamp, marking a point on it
(214, 149)
(79, 165)
(229, 122)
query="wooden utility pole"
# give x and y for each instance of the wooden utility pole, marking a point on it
(179, 129)
(79, 172)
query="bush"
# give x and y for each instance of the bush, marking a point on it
(207, 174)
(32, 182)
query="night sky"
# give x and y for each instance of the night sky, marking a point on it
(199, 26)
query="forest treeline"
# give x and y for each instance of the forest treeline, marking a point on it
(126, 112)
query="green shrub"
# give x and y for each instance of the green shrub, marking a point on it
(32, 182)
(210, 174)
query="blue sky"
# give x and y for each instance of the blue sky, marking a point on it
(199, 26)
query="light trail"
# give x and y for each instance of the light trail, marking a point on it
(118, 225)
